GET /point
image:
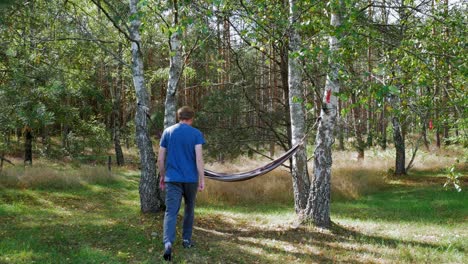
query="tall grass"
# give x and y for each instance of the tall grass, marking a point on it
(351, 178)
(274, 187)
(44, 177)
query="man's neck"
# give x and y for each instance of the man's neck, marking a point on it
(186, 122)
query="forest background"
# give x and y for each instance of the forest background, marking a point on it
(94, 83)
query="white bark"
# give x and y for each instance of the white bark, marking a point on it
(175, 70)
(150, 197)
(300, 176)
(318, 206)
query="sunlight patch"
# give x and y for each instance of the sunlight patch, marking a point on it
(18, 256)
(12, 208)
(278, 244)
(253, 250)
(214, 232)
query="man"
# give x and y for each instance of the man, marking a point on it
(181, 168)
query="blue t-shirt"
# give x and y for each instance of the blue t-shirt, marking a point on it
(179, 141)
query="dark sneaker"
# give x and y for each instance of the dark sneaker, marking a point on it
(187, 244)
(168, 254)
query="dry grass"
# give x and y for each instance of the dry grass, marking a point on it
(351, 178)
(273, 187)
(43, 176)
(439, 159)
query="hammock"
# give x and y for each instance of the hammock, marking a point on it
(243, 176)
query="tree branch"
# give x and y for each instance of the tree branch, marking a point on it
(268, 157)
(7, 160)
(127, 36)
(77, 39)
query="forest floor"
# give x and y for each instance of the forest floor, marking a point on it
(406, 220)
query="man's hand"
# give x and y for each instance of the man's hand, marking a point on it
(161, 168)
(162, 184)
(200, 167)
(201, 186)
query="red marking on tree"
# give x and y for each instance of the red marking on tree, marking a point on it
(431, 126)
(328, 96)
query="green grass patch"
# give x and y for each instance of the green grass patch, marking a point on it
(101, 223)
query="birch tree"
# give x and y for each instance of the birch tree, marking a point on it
(300, 176)
(149, 192)
(175, 68)
(318, 205)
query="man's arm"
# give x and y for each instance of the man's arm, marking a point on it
(161, 167)
(200, 167)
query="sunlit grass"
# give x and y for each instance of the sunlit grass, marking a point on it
(43, 176)
(378, 220)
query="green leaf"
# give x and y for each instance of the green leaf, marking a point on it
(10, 52)
(296, 99)
(393, 90)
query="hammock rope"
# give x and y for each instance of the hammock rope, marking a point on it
(243, 176)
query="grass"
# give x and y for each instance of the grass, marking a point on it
(405, 220)
(54, 176)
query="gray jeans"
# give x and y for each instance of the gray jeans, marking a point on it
(174, 193)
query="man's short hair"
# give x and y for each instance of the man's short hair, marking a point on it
(185, 113)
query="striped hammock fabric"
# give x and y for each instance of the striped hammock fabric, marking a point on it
(243, 176)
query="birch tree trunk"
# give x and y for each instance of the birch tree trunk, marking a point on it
(300, 176)
(318, 205)
(150, 198)
(175, 70)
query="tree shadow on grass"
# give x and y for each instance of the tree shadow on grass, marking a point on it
(98, 225)
(245, 245)
(305, 244)
(218, 240)
(71, 243)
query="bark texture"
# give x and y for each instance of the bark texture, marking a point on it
(175, 70)
(300, 176)
(399, 141)
(150, 197)
(318, 206)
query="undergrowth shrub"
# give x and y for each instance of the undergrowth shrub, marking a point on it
(88, 135)
(44, 177)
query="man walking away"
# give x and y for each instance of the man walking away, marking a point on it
(181, 169)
